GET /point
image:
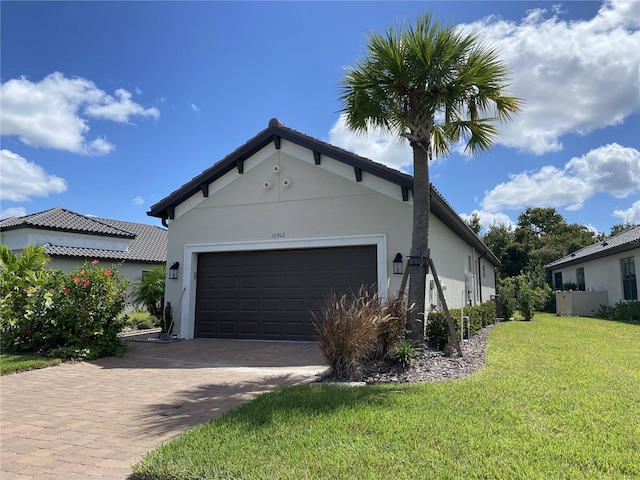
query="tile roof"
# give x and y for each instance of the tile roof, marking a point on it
(624, 241)
(148, 243)
(62, 220)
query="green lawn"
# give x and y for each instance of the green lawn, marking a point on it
(558, 398)
(20, 363)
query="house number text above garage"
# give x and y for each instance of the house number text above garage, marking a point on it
(277, 235)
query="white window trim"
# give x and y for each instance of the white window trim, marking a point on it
(191, 251)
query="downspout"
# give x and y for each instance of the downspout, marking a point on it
(480, 275)
(164, 222)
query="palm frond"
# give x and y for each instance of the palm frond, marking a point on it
(415, 74)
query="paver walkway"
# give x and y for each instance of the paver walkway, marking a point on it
(92, 420)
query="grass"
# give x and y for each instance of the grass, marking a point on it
(558, 398)
(19, 363)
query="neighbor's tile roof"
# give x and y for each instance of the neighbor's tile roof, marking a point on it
(62, 220)
(619, 243)
(148, 243)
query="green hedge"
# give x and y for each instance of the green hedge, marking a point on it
(479, 317)
(623, 311)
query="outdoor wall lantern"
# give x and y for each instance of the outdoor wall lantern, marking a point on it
(397, 264)
(173, 270)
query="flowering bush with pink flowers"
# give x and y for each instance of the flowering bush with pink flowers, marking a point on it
(74, 315)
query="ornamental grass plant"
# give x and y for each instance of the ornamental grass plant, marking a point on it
(353, 329)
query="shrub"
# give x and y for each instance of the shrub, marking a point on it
(525, 292)
(355, 329)
(405, 353)
(507, 288)
(76, 315)
(437, 330)
(622, 311)
(140, 321)
(166, 324)
(88, 313)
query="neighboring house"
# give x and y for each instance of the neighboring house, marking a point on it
(265, 235)
(70, 238)
(607, 266)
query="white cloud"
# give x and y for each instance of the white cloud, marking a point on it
(630, 215)
(562, 70)
(119, 110)
(12, 212)
(194, 108)
(609, 169)
(52, 113)
(138, 200)
(21, 179)
(565, 72)
(378, 146)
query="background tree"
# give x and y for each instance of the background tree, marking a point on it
(474, 223)
(435, 86)
(541, 236)
(621, 227)
(498, 237)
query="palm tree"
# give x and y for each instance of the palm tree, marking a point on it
(436, 86)
(148, 291)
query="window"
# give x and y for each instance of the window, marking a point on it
(557, 280)
(580, 279)
(470, 266)
(629, 285)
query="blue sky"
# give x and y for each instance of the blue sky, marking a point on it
(108, 107)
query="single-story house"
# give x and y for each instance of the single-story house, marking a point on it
(607, 266)
(268, 233)
(70, 238)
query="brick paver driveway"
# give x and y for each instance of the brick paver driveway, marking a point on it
(92, 420)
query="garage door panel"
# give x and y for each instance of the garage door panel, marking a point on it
(228, 283)
(270, 304)
(272, 294)
(228, 305)
(249, 305)
(294, 305)
(270, 281)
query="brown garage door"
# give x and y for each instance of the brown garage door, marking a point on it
(272, 294)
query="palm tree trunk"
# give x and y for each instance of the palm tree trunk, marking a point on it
(419, 245)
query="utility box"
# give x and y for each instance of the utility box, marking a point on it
(581, 304)
(468, 282)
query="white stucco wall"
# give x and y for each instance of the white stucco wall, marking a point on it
(19, 239)
(602, 274)
(322, 205)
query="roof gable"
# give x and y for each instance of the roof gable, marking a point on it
(622, 242)
(275, 133)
